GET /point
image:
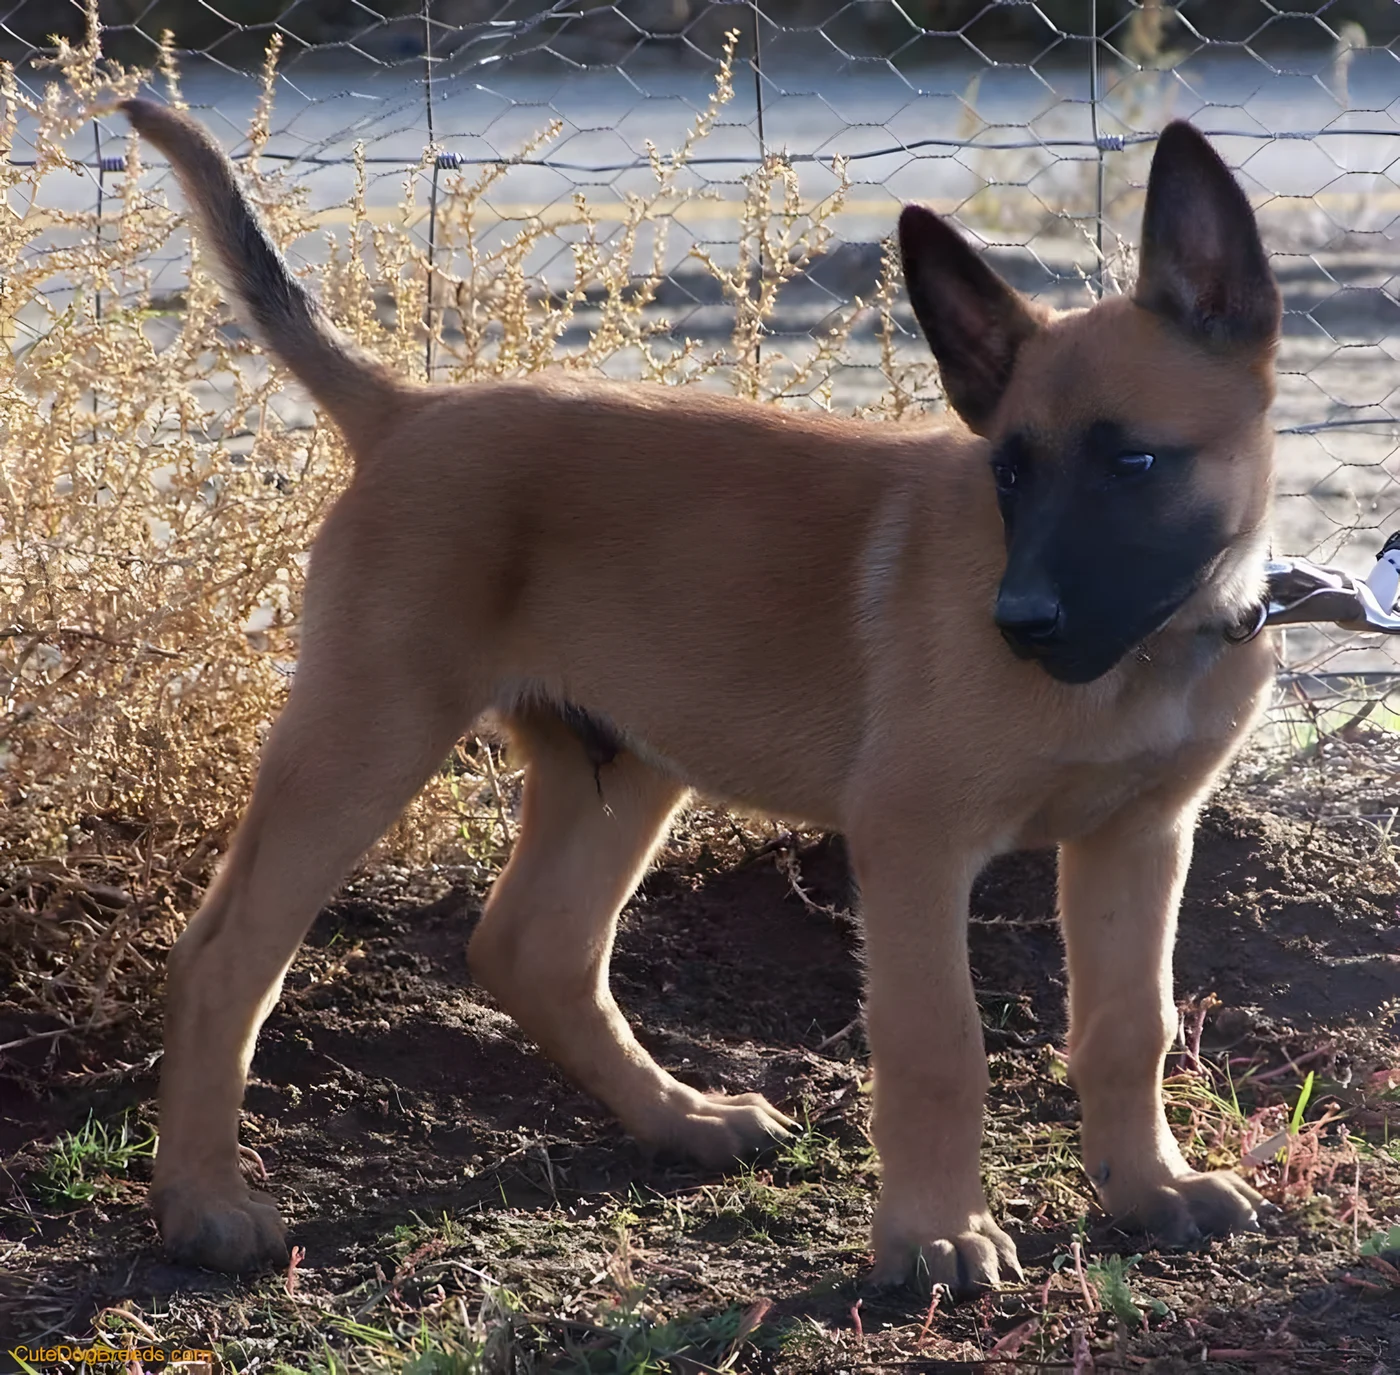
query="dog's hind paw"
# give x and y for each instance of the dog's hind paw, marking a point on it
(232, 1229)
(715, 1130)
(976, 1257)
(1185, 1208)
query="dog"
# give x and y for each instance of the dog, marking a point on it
(1007, 627)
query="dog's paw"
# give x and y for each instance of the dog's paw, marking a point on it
(232, 1229)
(1186, 1207)
(968, 1257)
(715, 1130)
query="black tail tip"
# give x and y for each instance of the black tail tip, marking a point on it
(141, 112)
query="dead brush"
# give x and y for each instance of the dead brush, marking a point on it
(1289, 1156)
(156, 511)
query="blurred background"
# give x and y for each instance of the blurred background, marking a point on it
(1031, 124)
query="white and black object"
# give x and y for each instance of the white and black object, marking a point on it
(1301, 592)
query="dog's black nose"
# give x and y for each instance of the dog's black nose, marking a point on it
(1031, 619)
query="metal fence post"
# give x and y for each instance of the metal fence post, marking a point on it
(97, 238)
(433, 192)
(97, 232)
(757, 63)
(1098, 144)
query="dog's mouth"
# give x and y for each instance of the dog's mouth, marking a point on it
(1079, 659)
(1065, 663)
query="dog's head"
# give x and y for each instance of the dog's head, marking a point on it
(1129, 443)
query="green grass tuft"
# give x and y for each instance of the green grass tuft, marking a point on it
(82, 1164)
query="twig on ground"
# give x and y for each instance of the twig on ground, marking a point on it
(837, 1037)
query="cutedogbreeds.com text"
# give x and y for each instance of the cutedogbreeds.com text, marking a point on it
(150, 1356)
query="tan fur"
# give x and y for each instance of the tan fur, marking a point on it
(790, 611)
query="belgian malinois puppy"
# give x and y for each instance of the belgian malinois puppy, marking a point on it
(1007, 627)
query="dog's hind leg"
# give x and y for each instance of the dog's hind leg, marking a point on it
(365, 727)
(1119, 891)
(543, 946)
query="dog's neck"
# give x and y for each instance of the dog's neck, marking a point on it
(1220, 614)
(1232, 591)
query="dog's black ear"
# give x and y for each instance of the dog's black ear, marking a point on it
(973, 321)
(1202, 265)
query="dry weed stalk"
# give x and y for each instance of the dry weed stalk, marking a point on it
(907, 378)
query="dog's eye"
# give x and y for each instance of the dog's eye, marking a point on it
(1005, 476)
(1128, 465)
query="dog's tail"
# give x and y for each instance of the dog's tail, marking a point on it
(357, 390)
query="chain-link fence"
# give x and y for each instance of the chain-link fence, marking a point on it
(1031, 124)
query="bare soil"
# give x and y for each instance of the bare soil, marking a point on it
(436, 1170)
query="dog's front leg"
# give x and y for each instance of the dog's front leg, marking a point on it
(1119, 893)
(932, 1225)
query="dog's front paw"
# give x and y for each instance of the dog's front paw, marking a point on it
(1185, 1207)
(968, 1254)
(230, 1228)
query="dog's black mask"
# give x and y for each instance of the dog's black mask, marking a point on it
(1106, 538)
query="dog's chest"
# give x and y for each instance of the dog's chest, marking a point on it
(1086, 795)
(1170, 736)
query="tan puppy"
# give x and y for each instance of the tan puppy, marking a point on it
(944, 641)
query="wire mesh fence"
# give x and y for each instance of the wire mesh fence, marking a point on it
(759, 260)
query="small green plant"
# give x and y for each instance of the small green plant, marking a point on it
(812, 1154)
(1295, 1123)
(1383, 1243)
(1109, 1280)
(407, 1237)
(82, 1164)
(714, 1341)
(757, 1203)
(424, 1351)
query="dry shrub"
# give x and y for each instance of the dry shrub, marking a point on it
(155, 511)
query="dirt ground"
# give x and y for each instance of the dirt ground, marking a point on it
(461, 1207)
